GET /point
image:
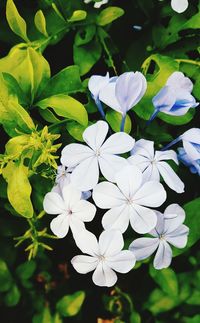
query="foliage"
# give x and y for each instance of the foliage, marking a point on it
(49, 50)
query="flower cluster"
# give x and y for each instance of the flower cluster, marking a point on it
(127, 179)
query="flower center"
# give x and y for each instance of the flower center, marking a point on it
(101, 258)
(97, 153)
(69, 212)
(161, 237)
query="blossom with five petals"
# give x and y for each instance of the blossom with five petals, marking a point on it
(104, 257)
(71, 209)
(153, 164)
(129, 201)
(100, 154)
(169, 230)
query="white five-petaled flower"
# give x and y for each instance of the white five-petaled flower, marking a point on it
(169, 230)
(104, 257)
(153, 164)
(100, 154)
(129, 201)
(63, 178)
(71, 209)
(124, 92)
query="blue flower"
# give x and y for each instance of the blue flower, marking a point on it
(175, 97)
(124, 92)
(194, 165)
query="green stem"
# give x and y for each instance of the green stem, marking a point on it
(105, 47)
(188, 61)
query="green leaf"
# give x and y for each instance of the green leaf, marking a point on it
(78, 15)
(12, 115)
(114, 119)
(159, 302)
(85, 35)
(193, 222)
(28, 67)
(5, 277)
(26, 270)
(87, 56)
(19, 188)
(40, 23)
(75, 130)
(166, 279)
(194, 319)
(48, 116)
(108, 15)
(15, 21)
(43, 317)
(70, 305)
(12, 297)
(67, 81)
(67, 107)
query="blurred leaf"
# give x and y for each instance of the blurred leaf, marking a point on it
(159, 302)
(5, 277)
(40, 23)
(86, 56)
(84, 35)
(70, 305)
(194, 319)
(108, 15)
(193, 222)
(19, 188)
(66, 106)
(78, 15)
(26, 270)
(12, 297)
(75, 130)
(15, 21)
(166, 279)
(43, 317)
(114, 119)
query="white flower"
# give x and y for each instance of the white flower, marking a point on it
(99, 154)
(63, 178)
(96, 84)
(128, 201)
(178, 81)
(153, 164)
(124, 92)
(105, 257)
(98, 4)
(179, 5)
(73, 211)
(169, 230)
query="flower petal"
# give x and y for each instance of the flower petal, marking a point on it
(130, 88)
(110, 165)
(143, 248)
(107, 195)
(84, 264)
(87, 243)
(178, 80)
(117, 218)
(84, 210)
(123, 262)
(150, 194)
(159, 228)
(191, 150)
(119, 143)
(71, 196)
(163, 255)
(95, 134)
(107, 96)
(60, 225)
(179, 6)
(74, 154)
(142, 220)
(104, 275)
(76, 225)
(191, 135)
(140, 161)
(111, 242)
(129, 180)
(166, 155)
(96, 83)
(174, 216)
(179, 237)
(86, 175)
(53, 203)
(144, 148)
(170, 177)
(151, 173)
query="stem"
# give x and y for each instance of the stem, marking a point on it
(188, 61)
(171, 144)
(123, 123)
(105, 47)
(100, 108)
(152, 117)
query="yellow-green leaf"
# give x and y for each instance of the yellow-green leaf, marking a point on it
(40, 23)
(78, 15)
(70, 305)
(19, 188)
(15, 21)
(108, 15)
